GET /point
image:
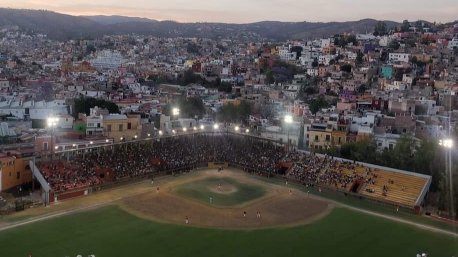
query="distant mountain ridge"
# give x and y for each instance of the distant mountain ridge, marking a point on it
(64, 27)
(115, 19)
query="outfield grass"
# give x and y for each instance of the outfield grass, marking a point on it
(111, 232)
(200, 190)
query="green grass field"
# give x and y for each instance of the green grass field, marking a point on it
(110, 232)
(200, 190)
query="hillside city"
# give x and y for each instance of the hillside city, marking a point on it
(386, 97)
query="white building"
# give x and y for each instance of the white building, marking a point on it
(94, 125)
(40, 110)
(453, 43)
(386, 141)
(107, 60)
(286, 55)
(399, 57)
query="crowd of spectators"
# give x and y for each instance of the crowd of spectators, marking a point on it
(327, 171)
(173, 154)
(183, 153)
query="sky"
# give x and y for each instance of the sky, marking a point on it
(244, 11)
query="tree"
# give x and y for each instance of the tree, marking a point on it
(189, 78)
(359, 57)
(380, 29)
(225, 87)
(270, 77)
(394, 45)
(346, 68)
(298, 50)
(189, 107)
(84, 105)
(317, 103)
(234, 113)
(405, 27)
(90, 49)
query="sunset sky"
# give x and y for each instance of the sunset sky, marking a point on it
(242, 11)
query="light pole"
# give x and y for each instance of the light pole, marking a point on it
(52, 124)
(175, 114)
(288, 121)
(448, 145)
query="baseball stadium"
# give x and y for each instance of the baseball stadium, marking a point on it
(221, 194)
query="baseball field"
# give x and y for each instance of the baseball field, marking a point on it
(210, 213)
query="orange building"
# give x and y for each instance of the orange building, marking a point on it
(14, 170)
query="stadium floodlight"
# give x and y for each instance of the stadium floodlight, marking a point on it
(237, 128)
(185, 129)
(447, 143)
(175, 111)
(52, 122)
(216, 126)
(247, 131)
(288, 119)
(202, 127)
(160, 132)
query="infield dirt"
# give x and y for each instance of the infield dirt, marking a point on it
(279, 207)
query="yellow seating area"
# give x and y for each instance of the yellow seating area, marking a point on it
(401, 188)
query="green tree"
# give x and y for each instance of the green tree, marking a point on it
(380, 29)
(405, 26)
(394, 45)
(84, 104)
(189, 77)
(225, 87)
(359, 57)
(298, 50)
(234, 113)
(189, 107)
(317, 103)
(270, 79)
(346, 68)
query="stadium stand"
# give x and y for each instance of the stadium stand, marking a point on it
(100, 165)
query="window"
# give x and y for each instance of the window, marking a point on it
(390, 146)
(316, 138)
(120, 127)
(129, 125)
(109, 128)
(328, 138)
(18, 175)
(45, 146)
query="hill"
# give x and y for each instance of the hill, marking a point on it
(63, 27)
(115, 19)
